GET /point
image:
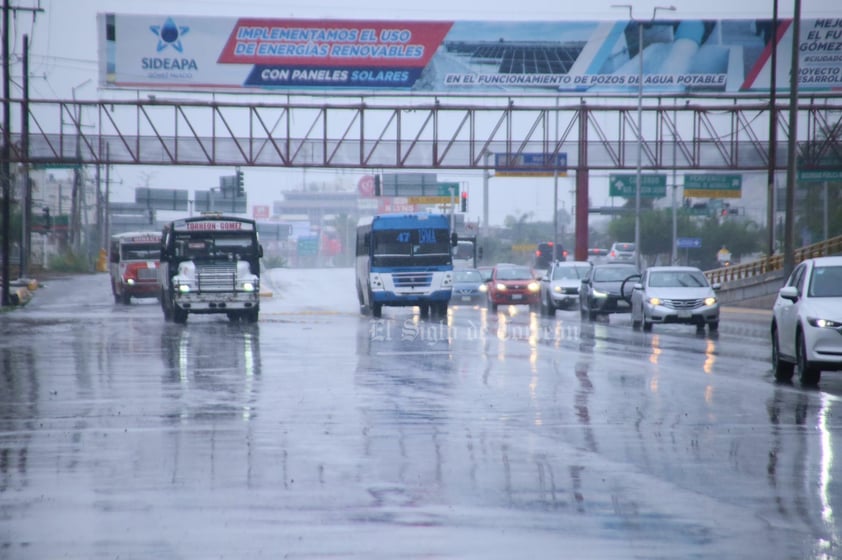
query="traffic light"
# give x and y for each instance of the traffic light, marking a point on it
(240, 183)
(48, 220)
(377, 185)
(464, 201)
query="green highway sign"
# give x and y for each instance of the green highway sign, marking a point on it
(443, 189)
(308, 246)
(651, 186)
(710, 185)
(819, 176)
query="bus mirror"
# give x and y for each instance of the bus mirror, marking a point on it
(260, 251)
(454, 239)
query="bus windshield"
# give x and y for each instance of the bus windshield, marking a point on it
(140, 252)
(411, 247)
(203, 246)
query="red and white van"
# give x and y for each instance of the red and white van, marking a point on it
(134, 262)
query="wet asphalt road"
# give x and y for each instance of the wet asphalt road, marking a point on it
(319, 433)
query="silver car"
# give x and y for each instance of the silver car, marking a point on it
(560, 285)
(674, 294)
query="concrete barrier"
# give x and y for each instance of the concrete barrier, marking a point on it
(750, 288)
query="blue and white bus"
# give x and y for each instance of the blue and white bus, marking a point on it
(404, 260)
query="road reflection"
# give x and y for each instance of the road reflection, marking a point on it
(796, 458)
(211, 369)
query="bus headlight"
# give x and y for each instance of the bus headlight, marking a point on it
(376, 282)
(183, 288)
(247, 286)
(130, 281)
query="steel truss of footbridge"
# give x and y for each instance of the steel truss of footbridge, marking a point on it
(710, 134)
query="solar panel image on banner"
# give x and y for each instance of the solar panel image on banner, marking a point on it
(522, 58)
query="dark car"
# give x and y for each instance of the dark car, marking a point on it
(513, 285)
(601, 294)
(468, 287)
(546, 253)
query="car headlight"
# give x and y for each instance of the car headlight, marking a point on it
(823, 323)
(710, 301)
(501, 287)
(483, 288)
(654, 301)
(533, 287)
(599, 293)
(557, 289)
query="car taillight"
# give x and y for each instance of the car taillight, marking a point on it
(613, 253)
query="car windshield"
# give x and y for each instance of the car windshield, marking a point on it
(514, 273)
(677, 279)
(624, 247)
(570, 272)
(826, 281)
(613, 273)
(467, 276)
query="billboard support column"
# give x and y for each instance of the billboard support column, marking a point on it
(582, 196)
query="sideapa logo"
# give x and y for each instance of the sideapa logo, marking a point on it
(169, 35)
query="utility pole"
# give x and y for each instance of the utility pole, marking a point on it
(5, 177)
(773, 136)
(26, 211)
(792, 147)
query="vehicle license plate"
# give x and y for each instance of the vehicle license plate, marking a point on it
(684, 314)
(466, 298)
(517, 296)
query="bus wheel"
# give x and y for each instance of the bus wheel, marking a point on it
(424, 310)
(166, 308)
(179, 315)
(252, 315)
(376, 310)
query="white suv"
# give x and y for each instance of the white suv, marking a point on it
(807, 321)
(621, 252)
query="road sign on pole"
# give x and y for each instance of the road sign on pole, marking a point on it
(712, 185)
(651, 186)
(688, 242)
(530, 165)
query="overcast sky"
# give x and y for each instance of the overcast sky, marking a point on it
(63, 62)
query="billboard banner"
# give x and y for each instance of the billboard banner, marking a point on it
(463, 57)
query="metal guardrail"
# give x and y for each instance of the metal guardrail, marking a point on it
(832, 246)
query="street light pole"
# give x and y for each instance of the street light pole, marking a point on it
(639, 173)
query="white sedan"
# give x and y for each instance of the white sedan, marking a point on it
(674, 294)
(807, 321)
